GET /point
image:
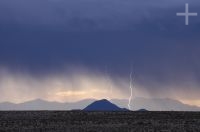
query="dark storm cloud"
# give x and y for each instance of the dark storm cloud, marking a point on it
(42, 36)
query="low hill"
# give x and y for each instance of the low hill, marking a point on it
(103, 105)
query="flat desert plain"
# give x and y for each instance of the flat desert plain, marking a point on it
(80, 121)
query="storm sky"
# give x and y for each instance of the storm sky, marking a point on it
(67, 50)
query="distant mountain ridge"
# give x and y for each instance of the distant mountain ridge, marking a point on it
(103, 105)
(40, 104)
(152, 104)
(157, 104)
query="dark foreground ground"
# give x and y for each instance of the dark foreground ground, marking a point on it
(76, 121)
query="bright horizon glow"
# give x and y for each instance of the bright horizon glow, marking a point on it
(18, 88)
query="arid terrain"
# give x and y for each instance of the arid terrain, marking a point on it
(79, 121)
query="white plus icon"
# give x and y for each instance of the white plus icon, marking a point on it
(186, 14)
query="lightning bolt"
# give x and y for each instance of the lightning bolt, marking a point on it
(131, 89)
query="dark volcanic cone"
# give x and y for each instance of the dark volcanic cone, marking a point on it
(103, 105)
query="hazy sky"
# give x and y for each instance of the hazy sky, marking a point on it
(67, 50)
